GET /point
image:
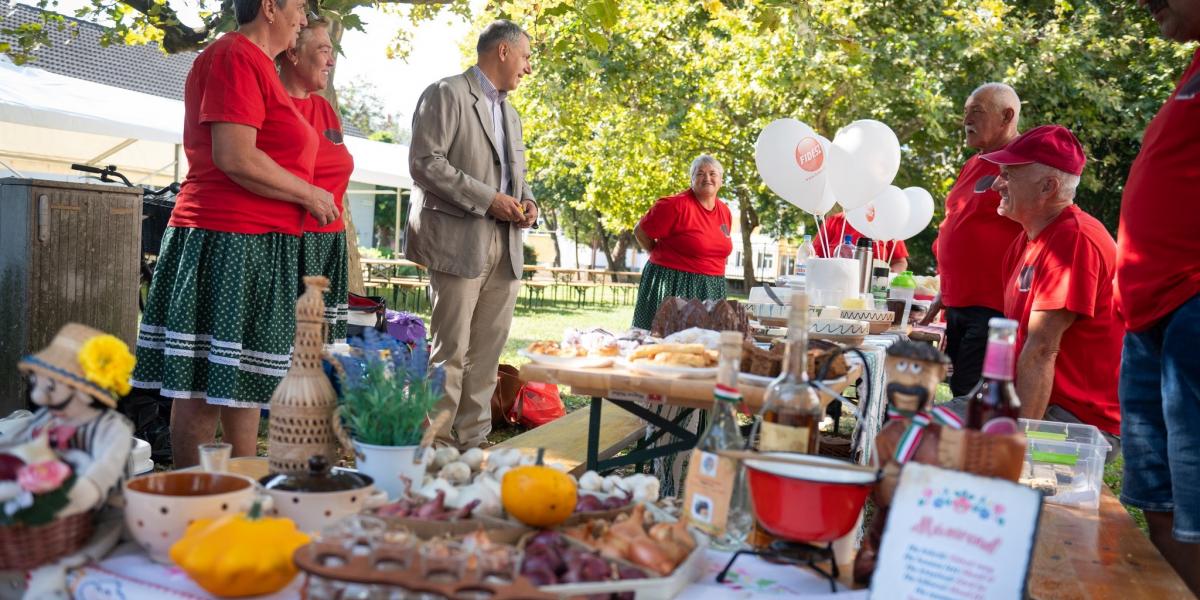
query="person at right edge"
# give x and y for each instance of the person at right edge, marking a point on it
(1158, 296)
(973, 238)
(470, 202)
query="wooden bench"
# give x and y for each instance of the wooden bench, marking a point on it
(566, 438)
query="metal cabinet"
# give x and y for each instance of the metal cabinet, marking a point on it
(68, 252)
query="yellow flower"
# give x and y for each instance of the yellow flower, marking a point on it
(106, 362)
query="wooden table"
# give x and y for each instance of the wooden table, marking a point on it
(1081, 554)
(632, 391)
(1084, 554)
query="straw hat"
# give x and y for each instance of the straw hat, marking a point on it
(89, 360)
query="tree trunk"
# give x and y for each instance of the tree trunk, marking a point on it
(749, 221)
(551, 222)
(354, 275)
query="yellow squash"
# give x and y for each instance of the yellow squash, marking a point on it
(239, 555)
(537, 495)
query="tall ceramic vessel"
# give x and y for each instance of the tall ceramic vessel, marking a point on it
(302, 406)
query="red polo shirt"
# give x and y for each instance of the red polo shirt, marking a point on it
(334, 164)
(234, 81)
(972, 240)
(1157, 264)
(834, 233)
(689, 238)
(1070, 265)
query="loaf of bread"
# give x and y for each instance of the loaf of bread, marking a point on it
(676, 314)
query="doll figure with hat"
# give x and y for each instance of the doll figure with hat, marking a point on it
(912, 432)
(75, 382)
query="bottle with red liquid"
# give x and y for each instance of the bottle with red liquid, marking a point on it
(995, 397)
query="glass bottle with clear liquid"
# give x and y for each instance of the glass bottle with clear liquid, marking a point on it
(723, 433)
(791, 414)
(995, 396)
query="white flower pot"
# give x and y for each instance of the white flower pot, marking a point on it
(389, 466)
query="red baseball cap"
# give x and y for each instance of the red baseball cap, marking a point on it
(1051, 145)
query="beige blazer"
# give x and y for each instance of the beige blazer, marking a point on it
(456, 174)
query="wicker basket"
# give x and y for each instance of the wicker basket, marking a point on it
(23, 547)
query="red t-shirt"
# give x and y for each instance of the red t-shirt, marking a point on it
(1070, 265)
(1157, 264)
(689, 238)
(334, 163)
(972, 240)
(234, 81)
(833, 233)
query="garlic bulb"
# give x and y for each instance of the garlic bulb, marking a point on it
(506, 457)
(457, 473)
(591, 482)
(473, 458)
(443, 457)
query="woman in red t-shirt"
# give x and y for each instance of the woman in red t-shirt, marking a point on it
(217, 331)
(687, 236)
(304, 69)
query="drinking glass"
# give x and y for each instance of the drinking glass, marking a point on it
(214, 458)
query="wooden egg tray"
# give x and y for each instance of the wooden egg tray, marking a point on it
(360, 568)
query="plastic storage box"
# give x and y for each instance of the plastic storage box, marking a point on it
(1065, 461)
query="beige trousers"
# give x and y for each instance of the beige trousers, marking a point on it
(470, 323)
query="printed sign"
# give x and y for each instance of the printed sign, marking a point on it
(709, 486)
(955, 535)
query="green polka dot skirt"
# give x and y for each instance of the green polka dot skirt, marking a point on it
(325, 254)
(220, 318)
(659, 283)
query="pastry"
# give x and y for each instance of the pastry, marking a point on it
(654, 349)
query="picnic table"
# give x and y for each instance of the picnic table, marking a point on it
(635, 393)
(407, 290)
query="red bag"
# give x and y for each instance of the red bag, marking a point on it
(537, 404)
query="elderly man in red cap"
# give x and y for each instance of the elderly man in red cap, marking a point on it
(1058, 284)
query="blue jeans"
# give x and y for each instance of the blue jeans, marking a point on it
(1160, 419)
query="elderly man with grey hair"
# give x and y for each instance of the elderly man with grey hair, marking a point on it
(972, 238)
(1058, 286)
(687, 236)
(470, 202)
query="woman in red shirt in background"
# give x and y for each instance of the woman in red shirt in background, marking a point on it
(304, 69)
(217, 330)
(687, 236)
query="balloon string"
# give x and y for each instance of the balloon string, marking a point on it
(824, 234)
(843, 234)
(891, 251)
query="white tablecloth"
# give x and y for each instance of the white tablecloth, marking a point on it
(129, 574)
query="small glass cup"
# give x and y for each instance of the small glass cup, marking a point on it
(443, 561)
(214, 458)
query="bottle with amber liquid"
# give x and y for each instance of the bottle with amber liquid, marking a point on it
(995, 397)
(791, 412)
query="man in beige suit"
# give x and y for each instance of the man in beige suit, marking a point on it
(469, 204)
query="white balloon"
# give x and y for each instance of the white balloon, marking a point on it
(791, 159)
(863, 160)
(920, 212)
(888, 213)
(827, 200)
(857, 218)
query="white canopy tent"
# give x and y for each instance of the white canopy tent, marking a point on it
(48, 121)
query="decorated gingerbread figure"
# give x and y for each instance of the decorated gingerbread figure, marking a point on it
(912, 432)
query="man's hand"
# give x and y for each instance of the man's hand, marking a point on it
(531, 214)
(933, 311)
(506, 208)
(321, 206)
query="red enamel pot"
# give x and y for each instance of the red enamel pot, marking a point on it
(803, 503)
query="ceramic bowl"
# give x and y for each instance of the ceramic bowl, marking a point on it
(160, 506)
